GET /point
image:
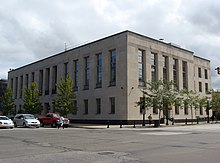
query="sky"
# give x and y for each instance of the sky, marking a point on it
(31, 30)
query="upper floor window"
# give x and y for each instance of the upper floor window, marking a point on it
(175, 73)
(200, 86)
(112, 67)
(206, 74)
(165, 68)
(32, 77)
(87, 75)
(54, 79)
(206, 87)
(66, 73)
(184, 72)
(141, 67)
(153, 67)
(21, 86)
(199, 72)
(76, 71)
(99, 70)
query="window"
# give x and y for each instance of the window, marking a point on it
(87, 75)
(165, 68)
(186, 109)
(112, 67)
(177, 110)
(99, 70)
(47, 81)
(98, 106)
(54, 80)
(206, 87)
(184, 72)
(21, 86)
(206, 74)
(141, 67)
(86, 107)
(175, 73)
(11, 84)
(112, 105)
(76, 71)
(66, 73)
(199, 72)
(32, 77)
(26, 80)
(16, 87)
(153, 67)
(75, 106)
(200, 86)
(40, 86)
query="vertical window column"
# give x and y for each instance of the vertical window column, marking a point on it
(47, 81)
(99, 71)
(112, 105)
(54, 80)
(175, 74)
(112, 68)
(165, 68)
(185, 73)
(76, 71)
(26, 80)
(86, 107)
(141, 71)
(21, 87)
(199, 72)
(66, 70)
(16, 87)
(153, 67)
(32, 77)
(40, 84)
(98, 106)
(87, 75)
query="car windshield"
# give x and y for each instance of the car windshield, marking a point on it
(29, 116)
(4, 118)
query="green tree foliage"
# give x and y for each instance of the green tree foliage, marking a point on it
(31, 100)
(191, 99)
(8, 103)
(63, 102)
(215, 103)
(159, 95)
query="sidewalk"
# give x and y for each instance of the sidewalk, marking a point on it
(105, 126)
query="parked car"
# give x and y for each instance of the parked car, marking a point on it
(26, 120)
(53, 119)
(5, 122)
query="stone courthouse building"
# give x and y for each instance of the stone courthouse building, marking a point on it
(109, 74)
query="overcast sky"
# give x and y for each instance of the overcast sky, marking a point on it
(34, 29)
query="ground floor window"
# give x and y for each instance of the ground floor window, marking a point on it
(112, 105)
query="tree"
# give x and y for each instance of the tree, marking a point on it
(215, 103)
(31, 100)
(63, 102)
(8, 103)
(159, 95)
(191, 99)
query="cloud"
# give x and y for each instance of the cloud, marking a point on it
(32, 30)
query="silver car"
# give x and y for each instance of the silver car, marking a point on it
(26, 120)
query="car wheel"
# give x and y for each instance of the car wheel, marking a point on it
(24, 124)
(11, 127)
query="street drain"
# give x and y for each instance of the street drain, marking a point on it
(106, 153)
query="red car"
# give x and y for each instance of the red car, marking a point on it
(54, 120)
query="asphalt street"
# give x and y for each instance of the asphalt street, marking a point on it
(182, 144)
